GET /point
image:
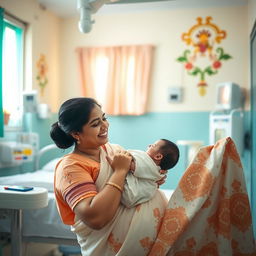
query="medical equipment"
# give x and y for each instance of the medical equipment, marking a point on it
(30, 102)
(13, 153)
(30, 138)
(228, 96)
(228, 118)
(228, 125)
(31, 105)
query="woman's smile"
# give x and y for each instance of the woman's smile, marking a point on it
(103, 134)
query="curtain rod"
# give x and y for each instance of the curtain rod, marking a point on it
(9, 15)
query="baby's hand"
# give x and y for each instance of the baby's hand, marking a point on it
(162, 180)
(163, 171)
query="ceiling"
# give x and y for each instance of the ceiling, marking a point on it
(68, 8)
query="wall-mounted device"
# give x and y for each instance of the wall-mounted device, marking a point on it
(228, 118)
(175, 94)
(13, 153)
(30, 102)
(31, 105)
(228, 96)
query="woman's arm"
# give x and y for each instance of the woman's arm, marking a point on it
(97, 211)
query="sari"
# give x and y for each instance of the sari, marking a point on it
(208, 214)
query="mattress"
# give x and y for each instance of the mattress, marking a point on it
(40, 178)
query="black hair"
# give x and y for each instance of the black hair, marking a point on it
(171, 155)
(73, 115)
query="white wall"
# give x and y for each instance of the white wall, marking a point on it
(162, 29)
(42, 38)
(58, 38)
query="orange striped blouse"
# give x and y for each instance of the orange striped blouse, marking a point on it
(74, 180)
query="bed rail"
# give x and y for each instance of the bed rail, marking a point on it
(41, 152)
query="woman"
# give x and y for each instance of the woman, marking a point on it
(89, 182)
(208, 214)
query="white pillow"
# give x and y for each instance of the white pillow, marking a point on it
(50, 166)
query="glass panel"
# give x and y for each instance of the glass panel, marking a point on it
(12, 75)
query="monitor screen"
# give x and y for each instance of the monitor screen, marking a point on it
(228, 96)
(224, 95)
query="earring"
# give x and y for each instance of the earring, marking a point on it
(78, 142)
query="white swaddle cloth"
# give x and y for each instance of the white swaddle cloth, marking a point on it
(140, 186)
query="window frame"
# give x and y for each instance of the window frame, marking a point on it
(20, 29)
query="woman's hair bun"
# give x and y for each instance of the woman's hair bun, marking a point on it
(61, 139)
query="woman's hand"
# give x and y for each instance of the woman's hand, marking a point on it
(97, 211)
(121, 161)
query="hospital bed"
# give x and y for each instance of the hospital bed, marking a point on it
(41, 225)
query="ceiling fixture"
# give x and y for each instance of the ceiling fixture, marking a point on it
(86, 8)
(89, 7)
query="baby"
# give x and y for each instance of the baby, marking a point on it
(140, 184)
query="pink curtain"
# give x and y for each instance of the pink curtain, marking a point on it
(118, 77)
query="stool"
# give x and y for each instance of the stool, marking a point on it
(68, 250)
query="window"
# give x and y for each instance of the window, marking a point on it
(117, 76)
(12, 70)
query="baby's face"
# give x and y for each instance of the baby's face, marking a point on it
(154, 149)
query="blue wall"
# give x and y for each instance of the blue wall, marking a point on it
(137, 132)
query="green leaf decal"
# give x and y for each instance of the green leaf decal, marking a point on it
(209, 71)
(225, 57)
(195, 72)
(182, 59)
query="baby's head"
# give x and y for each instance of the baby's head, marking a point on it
(164, 153)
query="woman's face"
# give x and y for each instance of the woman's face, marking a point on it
(95, 132)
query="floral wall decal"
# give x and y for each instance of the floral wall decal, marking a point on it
(41, 73)
(204, 56)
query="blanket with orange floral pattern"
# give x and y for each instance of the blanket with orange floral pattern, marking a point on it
(208, 214)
